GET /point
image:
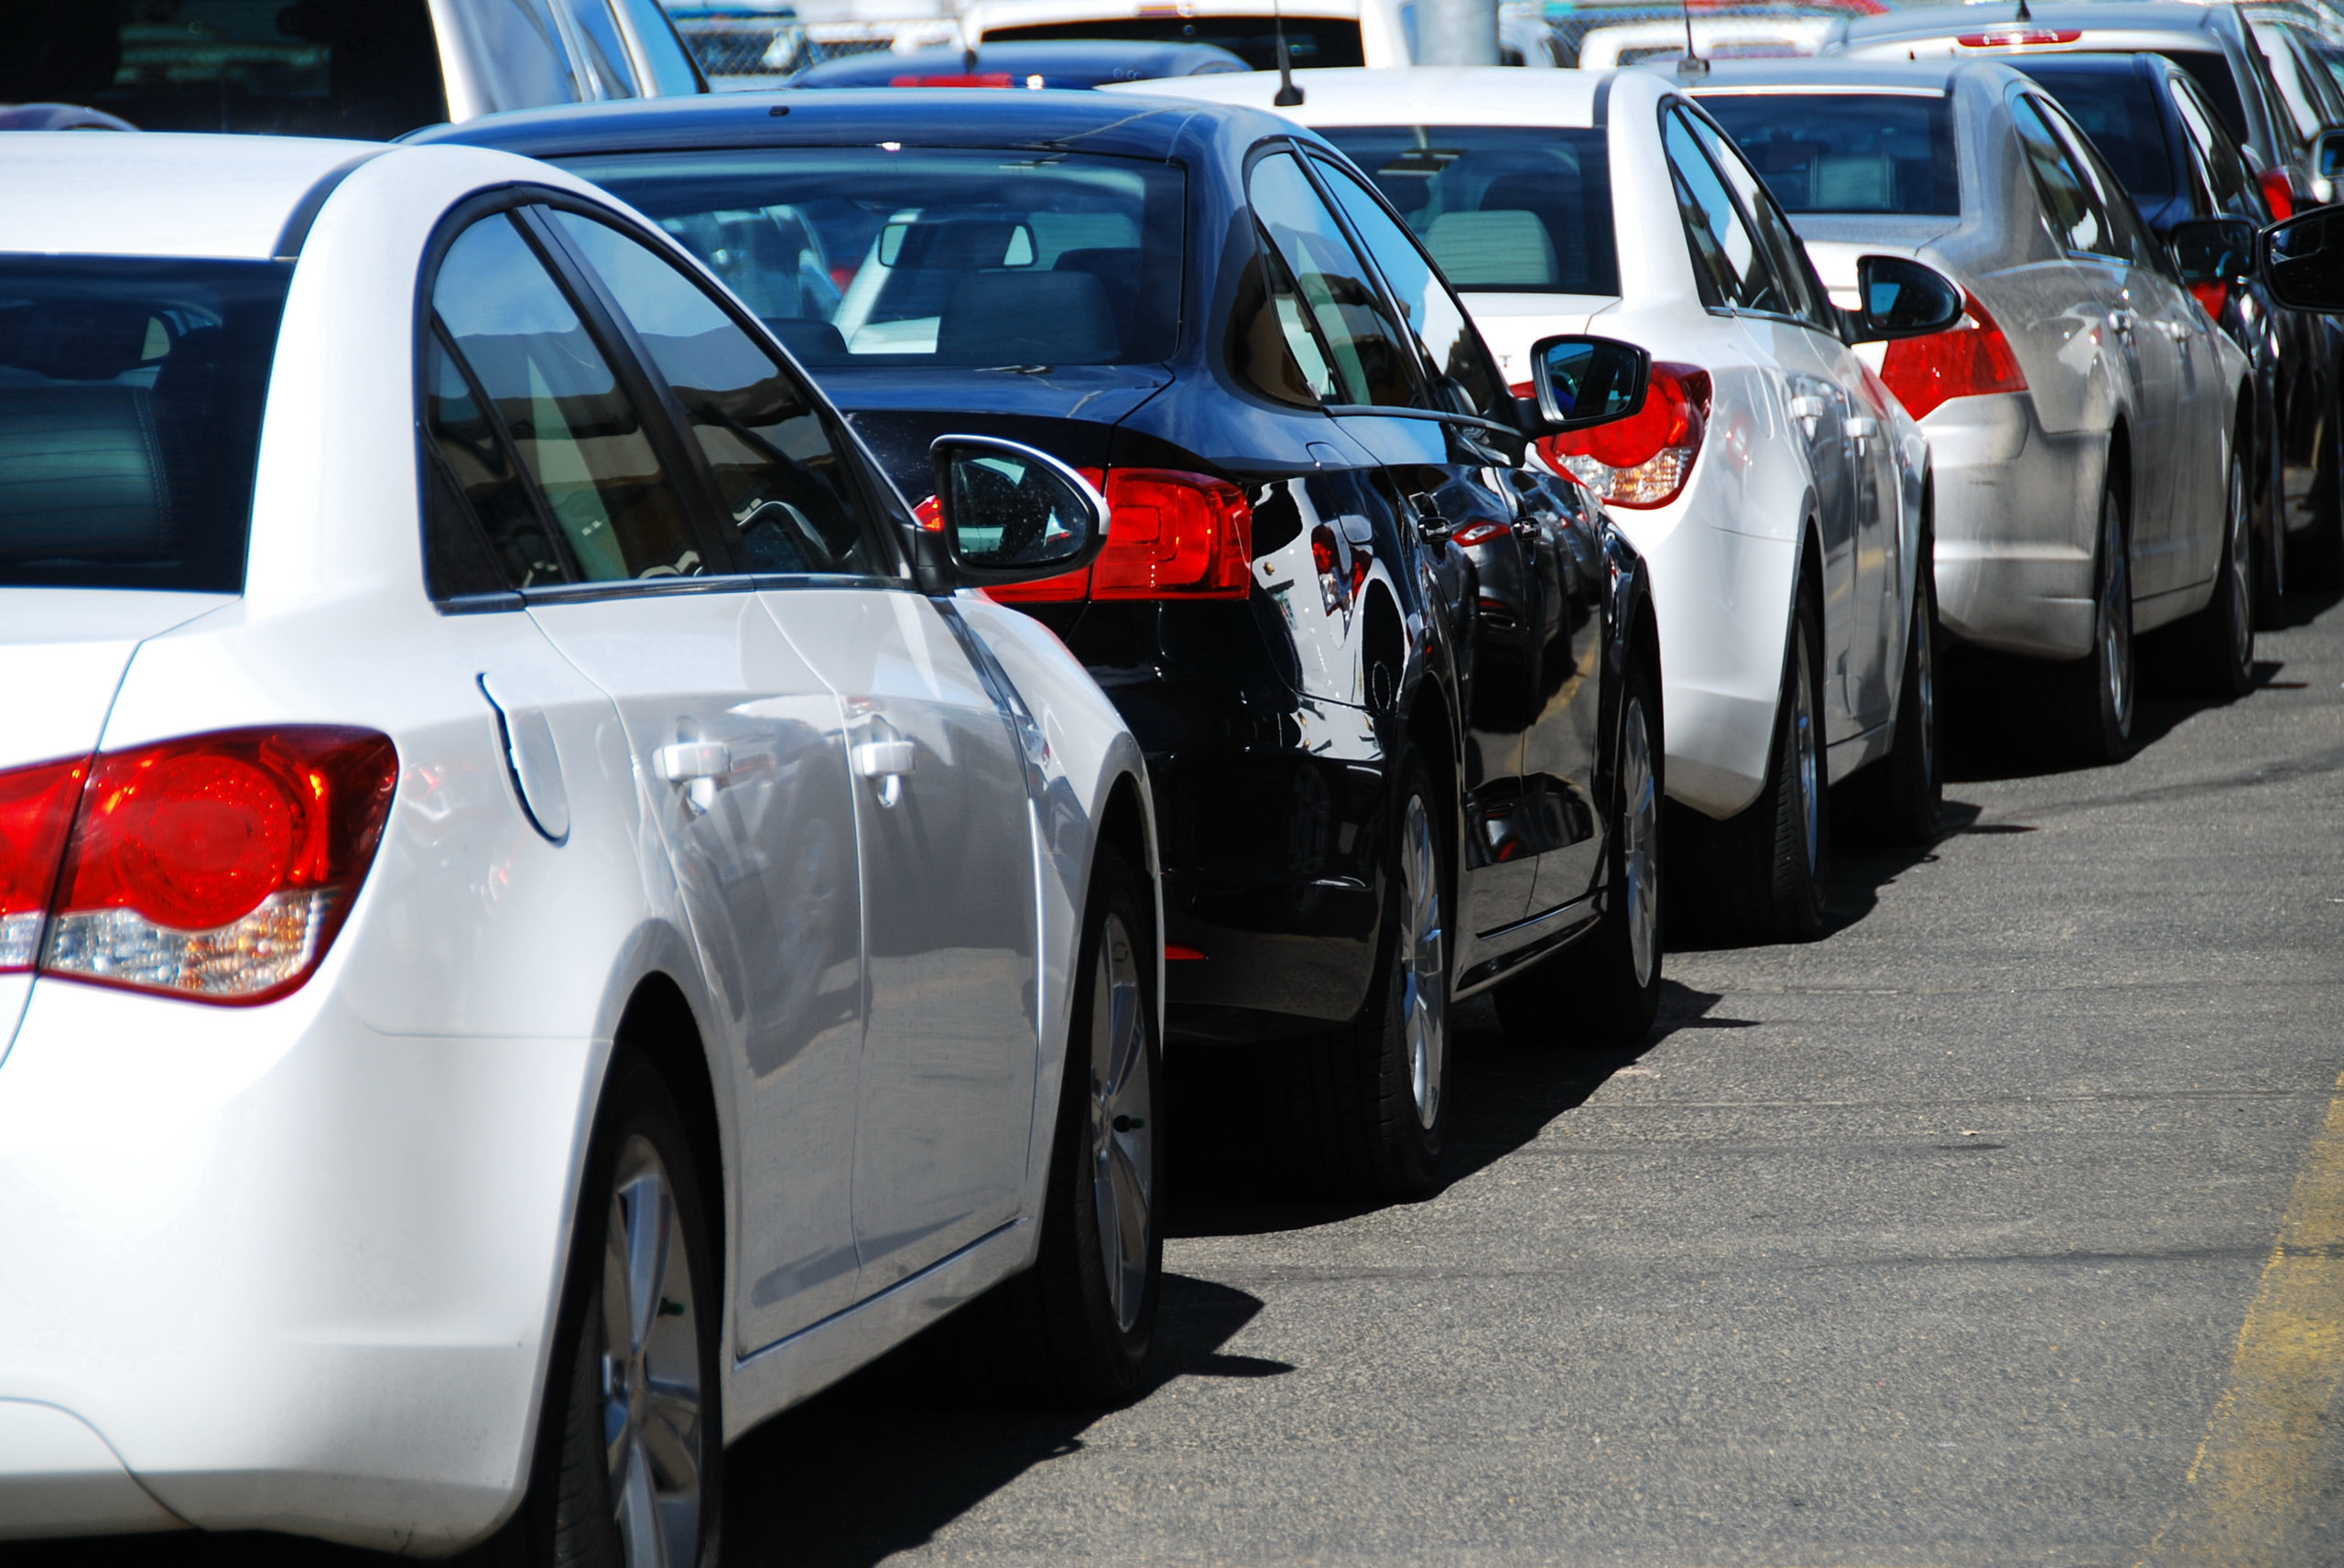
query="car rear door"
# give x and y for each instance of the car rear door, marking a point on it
(738, 746)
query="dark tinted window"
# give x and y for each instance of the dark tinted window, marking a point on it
(933, 255)
(776, 463)
(131, 394)
(1366, 362)
(1847, 152)
(1502, 209)
(2118, 109)
(324, 68)
(2211, 71)
(2069, 204)
(1802, 293)
(1727, 260)
(1310, 41)
(2232, 182)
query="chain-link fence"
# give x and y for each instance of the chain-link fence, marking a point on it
(744, 48)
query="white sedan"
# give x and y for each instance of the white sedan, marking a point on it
(536, 926)
(1777, 490)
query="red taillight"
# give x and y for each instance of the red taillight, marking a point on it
(2214, 296)
(1474, 534)
(1645, 460)
(930, 514)
(35, 815)
(982, 79)
(1169, 535)
(2018, 37)
(1968, 360)
(216, 867)
(2279, 191)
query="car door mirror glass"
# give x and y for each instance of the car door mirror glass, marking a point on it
(2328, 153)
(1582, 381)
(2213, 249)
(2303, 260)
(1010, 513)
(1900, 297)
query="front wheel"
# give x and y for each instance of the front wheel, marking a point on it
(1603, 990)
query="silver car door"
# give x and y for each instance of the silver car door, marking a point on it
(738, 748)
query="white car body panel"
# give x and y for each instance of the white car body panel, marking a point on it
(1383, 24)
(296, 1266)
(1724, 554)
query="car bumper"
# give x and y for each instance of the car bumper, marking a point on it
(2016, 517)
(270, 1269)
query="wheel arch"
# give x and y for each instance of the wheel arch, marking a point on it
(659, 1025)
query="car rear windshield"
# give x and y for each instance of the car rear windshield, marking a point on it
(2118, 111)
(130, 411)
(867, 255)
(1848, 152)
(326, 68)
(1316, 42)
(1503, 209)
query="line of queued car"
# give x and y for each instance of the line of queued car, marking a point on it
(641, 716)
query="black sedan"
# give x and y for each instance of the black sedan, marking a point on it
(1384, 778)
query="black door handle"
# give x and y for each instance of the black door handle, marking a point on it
(1435, 527)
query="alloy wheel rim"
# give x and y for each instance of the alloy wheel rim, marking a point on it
(653, 1436)
(1123, 1129)
(1802, 732)
(1424, 998)
(2241, 545)
(2116, 616)
(1639, 824)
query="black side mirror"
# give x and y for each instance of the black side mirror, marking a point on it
(1008, 513)
(1900, 297)
(1580, 382)
(2213, 249)
(2328, 153)
(2303, 260)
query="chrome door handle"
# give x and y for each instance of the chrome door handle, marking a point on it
(2122, 321)
(2177, 331)
(1862, 425)
(698, 765)
(888, 761)
(1808, 407)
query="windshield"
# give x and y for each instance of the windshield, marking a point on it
(130, 410)
(1502, 208)
(1315, 42)
(2118, 112)
(1848, 152)
(318, 67)
(864, 256)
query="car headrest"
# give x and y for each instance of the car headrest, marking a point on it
(72, 341)
(1016, 316)
(1492, 249)
(84, 472)
(959, 244)
(816, 342)
(1853, 182)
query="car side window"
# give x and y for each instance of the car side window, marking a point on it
(2226, 172)
(598, 30)
(554, 397)
(2127, 238)
(1452, 347)
(2068, 204)
(1727, 258)
(1369, 364)
(479, 496)
(785, 476)
(1803, 293)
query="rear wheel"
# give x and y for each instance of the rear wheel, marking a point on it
(2099, 688)
(1904, 790)
(1604, 989)
(2221, 635)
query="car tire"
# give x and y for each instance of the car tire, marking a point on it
(2270, 525)
(2315, 559)
(2221, 635)
(630, 1466)
(2099, 692)
(1602, 991)
(1075, 1330)
(1904, 791)
(1368, 1103)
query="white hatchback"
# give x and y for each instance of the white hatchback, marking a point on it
(1776, 487)
(536, 928)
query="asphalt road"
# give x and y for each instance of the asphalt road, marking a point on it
(2004, 1226)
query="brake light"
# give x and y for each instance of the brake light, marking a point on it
(1645, 460)
(2214, 296)
(982, 79)
(2018, 37)
(1169, 535)
(216, 867)
(1969, 359)
(2279, 191)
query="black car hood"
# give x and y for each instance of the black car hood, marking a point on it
(1069, 412)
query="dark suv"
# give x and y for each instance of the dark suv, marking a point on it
(1397, 685)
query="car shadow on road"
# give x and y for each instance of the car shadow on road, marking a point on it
(881, 1461)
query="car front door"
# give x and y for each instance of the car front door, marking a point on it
(939, 805)
(738, 745)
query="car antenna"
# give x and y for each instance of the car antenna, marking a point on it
(1690, 66)
(2023, 14)
(1289, 96)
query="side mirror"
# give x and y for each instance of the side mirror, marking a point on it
(1009, 513)
(2328, 153)
(2303, 260)
(1579, 382)
(2213, 249)
(1903, 299)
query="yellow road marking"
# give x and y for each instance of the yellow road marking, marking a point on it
(2252, 1488)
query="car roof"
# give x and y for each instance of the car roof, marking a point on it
(1831, 71)
(2176, 17)
(1021, 57)
(1419, 95)
(161, 194)
(2084, 63)
(939, 117)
